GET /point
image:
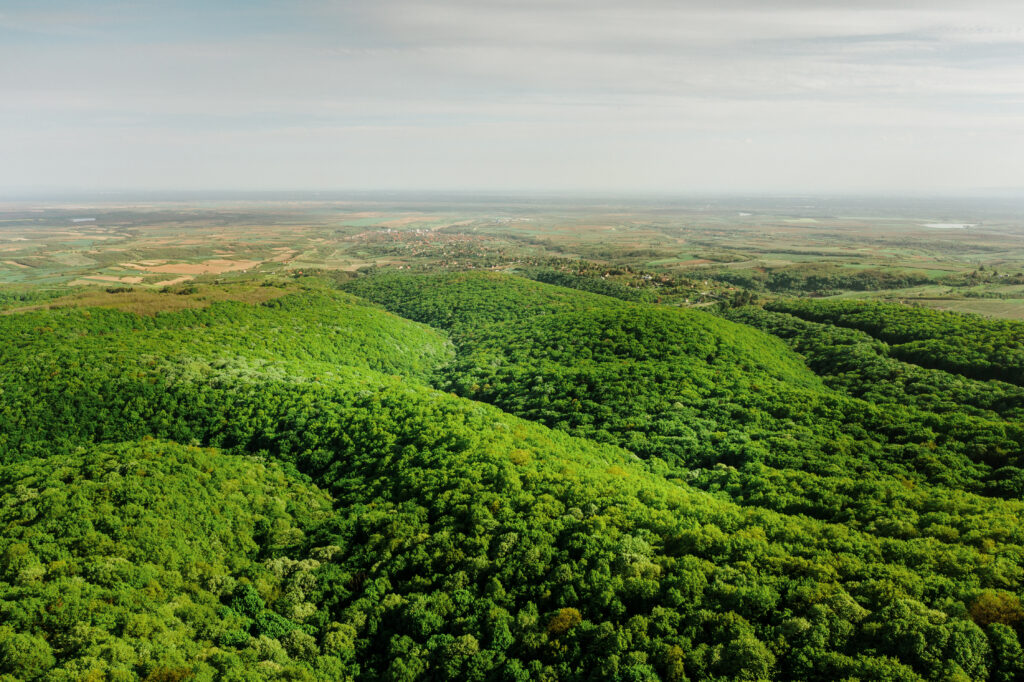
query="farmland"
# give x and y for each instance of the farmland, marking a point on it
(772, 247)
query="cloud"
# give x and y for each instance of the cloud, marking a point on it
(621, 90)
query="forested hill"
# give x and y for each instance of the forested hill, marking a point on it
(616, 490)
(967, 344)
(454, 300)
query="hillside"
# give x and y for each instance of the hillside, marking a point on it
(617, 490)
(966, 344)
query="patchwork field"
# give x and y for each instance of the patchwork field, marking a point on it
(891, 251)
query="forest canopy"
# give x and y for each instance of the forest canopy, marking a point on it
(481, 476)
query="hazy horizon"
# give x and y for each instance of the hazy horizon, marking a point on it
(563, 98)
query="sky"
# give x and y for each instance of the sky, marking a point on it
(646, 96)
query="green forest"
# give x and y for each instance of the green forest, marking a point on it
(482, 476)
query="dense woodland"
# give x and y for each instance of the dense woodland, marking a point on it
(824, 278)
(480, 476)
(966, 344)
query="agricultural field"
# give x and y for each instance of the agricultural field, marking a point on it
(966, 257)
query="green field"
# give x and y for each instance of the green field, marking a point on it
(1010, 308)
